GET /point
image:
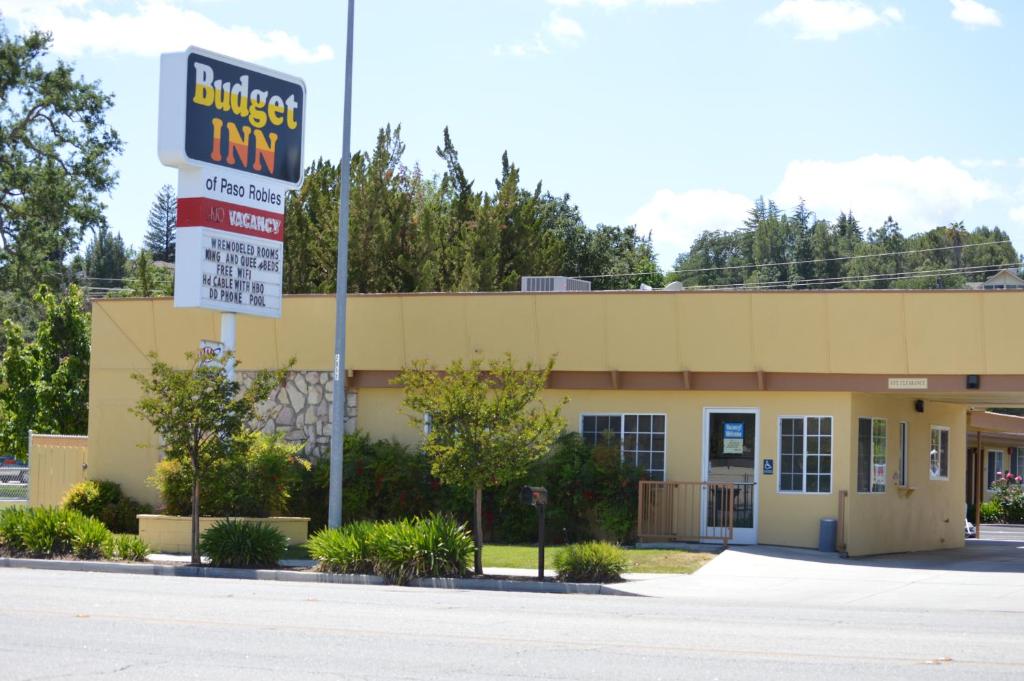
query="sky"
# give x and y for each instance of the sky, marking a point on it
(673, 115)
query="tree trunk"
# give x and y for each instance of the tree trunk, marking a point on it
(478, 531)
(196, 560)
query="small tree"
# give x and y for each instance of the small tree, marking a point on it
(44, 383)
(486, 426)
(199, 413)
(163, 217)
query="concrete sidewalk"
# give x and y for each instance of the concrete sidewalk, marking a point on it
(984, 575)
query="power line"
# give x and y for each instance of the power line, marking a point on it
(796, 262)
(888, 276)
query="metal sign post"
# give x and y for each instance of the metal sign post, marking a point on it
(538, 498)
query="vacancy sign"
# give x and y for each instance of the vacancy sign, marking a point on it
(235, 132)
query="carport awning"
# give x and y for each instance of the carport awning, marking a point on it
(991, 422)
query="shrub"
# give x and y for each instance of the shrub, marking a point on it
(397, 550)
(91, 496)
(12, 529)
(126, 547)
(123, 516)
(382, 480)
(393, 547)
(344, 549)
(991, 512)
(88, 537)
(236, 543)
(591, 562)
(48, 532)
(255, 478)
(104, 500)
(591, 493)
(1008, 494)
(444, 546)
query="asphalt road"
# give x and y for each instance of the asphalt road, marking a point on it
(61, 625)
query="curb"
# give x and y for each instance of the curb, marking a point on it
(507, 585)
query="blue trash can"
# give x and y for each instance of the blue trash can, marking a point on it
(827, 535)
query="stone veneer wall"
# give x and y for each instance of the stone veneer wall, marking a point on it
(301, 410)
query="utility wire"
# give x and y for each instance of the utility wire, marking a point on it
(887, 276)
(796, 262)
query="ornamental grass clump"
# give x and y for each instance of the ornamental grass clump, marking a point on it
(125, 547)
(88, 537)
(593, 561)
(240, 544)
(345, 549)
(444, 546)
(48, 532)
(397, 550)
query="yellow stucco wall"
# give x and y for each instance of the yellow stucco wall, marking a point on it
(895, 333)
(930, 515)
(173, 534)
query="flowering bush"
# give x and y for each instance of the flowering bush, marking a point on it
(1008, 494)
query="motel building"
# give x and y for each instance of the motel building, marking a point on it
(755, 414)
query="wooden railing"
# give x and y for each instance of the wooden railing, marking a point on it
(672, 511)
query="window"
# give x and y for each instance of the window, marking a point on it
(902, 478)
(871, 449)
(805, 454)
(1016, 464)
(639, 437)
(995, 465)
(939, 454)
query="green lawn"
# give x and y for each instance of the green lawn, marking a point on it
(642, 560)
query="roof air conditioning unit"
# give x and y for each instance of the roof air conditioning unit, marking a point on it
(553, 284)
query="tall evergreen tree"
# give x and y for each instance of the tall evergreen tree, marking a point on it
(105, 263)
(163, 216)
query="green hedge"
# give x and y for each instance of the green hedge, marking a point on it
(48, 532)
(397, 550)
(591, 492)
(255, 479)
(104, 500)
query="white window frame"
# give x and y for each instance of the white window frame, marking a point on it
(831, 466)
(903, 479)
(621, 415)
(885, 466)
(931, 473)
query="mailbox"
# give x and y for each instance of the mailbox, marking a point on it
(534, 496)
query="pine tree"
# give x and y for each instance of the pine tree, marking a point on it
(163, 216)
(105, 263)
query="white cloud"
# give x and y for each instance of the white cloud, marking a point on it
(564, 29)
(829, 19)
(676, 219)
(972, 13)
(557, 28)
(919, 194)
(151, 27)
(973, 163)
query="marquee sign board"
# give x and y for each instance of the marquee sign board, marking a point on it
(235, 132)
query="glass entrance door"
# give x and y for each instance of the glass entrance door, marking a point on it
(730, 456)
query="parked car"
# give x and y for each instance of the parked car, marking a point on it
(12, 470)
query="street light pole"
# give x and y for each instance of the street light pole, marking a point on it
(341, 294)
